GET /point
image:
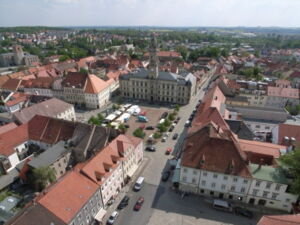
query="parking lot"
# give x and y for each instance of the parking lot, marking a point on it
(153, 115)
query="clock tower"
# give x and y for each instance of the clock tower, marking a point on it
(153, 65)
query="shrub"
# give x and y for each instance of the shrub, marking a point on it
(162, 128)
(157, 135)
(139, 133)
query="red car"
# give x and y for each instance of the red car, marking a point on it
(168, 151)
(143, 113)
(139, 204)
(143, 126)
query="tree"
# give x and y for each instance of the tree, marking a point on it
(171, 116)
(177, 108)
(64, 58)
(83, 70)
(122, 128)
(100, 117)
(94, 120)
(291, 161)
(115, 107)
(43, 176)
(157, 135)
(167, 123)
(139, 133)
(183, 51)
(162, 128)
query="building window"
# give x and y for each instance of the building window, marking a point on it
(277, 188)
(255, 191)
(257, 126)
(184, 178)
(202, 191)
(274, 195)
(257, 184)
(193, 180)
(203, 183)
(232, 188)
(242, 189)
(194, 172)
(245, 181)
(204, 174)
(225, 178)
(268, 185)
(211, 193)
(235, 179)
(265, 194)
(213, 185)
(223, 186)
(185, 170)
(215, 175)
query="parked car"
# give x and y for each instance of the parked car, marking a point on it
(142, 126)
(168, 151)
(164, 115)
(113, 217)
(150, 148)
(139, 204)
(187, 123)
(150, 128)
(166, 176)
(126, 126)
(178, 118)
(243, 212)
(166, 134)
(123, 203)
(175, 136)
(171, 129)
(164, 139)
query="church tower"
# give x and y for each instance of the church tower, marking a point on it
(18, 54)
(154, 62)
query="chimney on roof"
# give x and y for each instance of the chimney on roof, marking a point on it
(120, 147)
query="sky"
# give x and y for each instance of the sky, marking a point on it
(251, 13)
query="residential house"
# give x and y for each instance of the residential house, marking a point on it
(53, 107)
(282, 94)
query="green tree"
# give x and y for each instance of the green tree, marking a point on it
(177, 108)
(291, 161)
(100, 117)
(43, 176)
(171, 116)
(161, 127)
(183, 51)
(122, 128)
(115, 106)
(64, 58)
(94, 120)
(139, 133)
(157, 135)
(83, 70)
(167, 123)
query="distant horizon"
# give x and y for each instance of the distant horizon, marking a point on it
(160, 13)
(152, 26)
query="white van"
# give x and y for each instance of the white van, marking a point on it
(138, 184)
(222, 205)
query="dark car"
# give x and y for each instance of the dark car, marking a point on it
(175, 136)
(123, 203)
(138, 204)
(150, 149)
(126, 126)
(178, 118)
(150, 128)
(243, 212)
(171, 129)
(164, 115)
(165, 176)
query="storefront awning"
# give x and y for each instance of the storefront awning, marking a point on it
(99, 216)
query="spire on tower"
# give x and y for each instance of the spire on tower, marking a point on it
(154, 62)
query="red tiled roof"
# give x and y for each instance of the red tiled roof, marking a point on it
(288, 130)
(280, 220)
(7, 127)
(94, 84)
(16, 98)
(75, 79)
(12, 138)
(214, 149)
(12, 84)
(283, 92)
(41, 82)
(263, 148)
(295, 74)
(68, 195)
(165, 54)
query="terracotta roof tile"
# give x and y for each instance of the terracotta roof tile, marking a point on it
(95, 85)
(280, 220)
(66, 197)
(12, 84)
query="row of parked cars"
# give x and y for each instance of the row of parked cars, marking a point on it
(125, 201)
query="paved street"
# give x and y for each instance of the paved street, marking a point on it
(153, 189)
